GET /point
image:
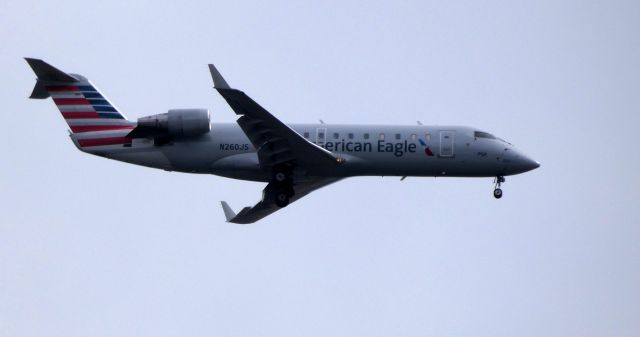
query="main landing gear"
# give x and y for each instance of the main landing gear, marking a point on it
(282, 199)
(280, 176)
(283, 194)
(497, 192)
(283, 187)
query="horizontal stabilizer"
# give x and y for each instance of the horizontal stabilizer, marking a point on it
(47, 72)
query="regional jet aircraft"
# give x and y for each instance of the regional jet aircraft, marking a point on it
(293, 159)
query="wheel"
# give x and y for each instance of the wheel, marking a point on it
(497, 193)
(282, 199)
(280, 177)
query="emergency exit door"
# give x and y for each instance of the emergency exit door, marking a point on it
(321, 136)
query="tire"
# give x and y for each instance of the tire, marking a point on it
(282, 199)
(497, 193)
(280, 176)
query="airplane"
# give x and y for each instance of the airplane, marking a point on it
(293, 159)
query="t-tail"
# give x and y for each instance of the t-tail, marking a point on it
(94, 122)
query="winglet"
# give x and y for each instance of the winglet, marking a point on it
(218, 80)
(228, 212)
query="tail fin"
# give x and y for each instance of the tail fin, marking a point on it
(83, 107)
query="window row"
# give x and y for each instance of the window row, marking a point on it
(381, 136)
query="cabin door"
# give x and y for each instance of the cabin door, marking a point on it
(447, 143)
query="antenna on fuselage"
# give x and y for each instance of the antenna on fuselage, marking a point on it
(419, 122)
(321, 121)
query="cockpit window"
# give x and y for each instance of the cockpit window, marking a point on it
(480, 134)
(502, 140)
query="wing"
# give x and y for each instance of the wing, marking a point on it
(268, 205)
(275, 143)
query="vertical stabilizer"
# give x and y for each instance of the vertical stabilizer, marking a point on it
(84, 108)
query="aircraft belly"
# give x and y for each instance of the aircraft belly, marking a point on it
(240, 166)
(155, 159)
(463, 165)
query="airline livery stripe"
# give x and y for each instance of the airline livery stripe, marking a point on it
(99, 121)
(88, 128)
(104, 141)
(69, 108)
(113, 115)
(66, 94)
(105, 108)
(99, 102)
(80, 114)
(92, 95)
(71, 101)
(62, 88)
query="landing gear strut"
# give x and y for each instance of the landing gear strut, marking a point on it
(497, 192)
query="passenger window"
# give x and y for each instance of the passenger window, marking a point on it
(366, 136)
(413, 136)
(336, 135)
(351, 136)
(381, 136)
(397, 136)
(306, 135)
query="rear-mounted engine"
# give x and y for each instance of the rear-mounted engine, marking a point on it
(176, 123)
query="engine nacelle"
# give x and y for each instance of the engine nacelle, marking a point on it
(178, 122)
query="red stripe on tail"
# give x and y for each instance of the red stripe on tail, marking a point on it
(71, 101)
(88, 128)
(80, 114)
(62, 88)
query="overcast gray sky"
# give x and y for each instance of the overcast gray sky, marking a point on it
(91, 247)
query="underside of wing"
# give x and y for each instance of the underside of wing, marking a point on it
(276, 144)
(281, 151)
(270, 200)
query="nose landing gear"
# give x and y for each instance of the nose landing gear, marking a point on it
(497, 192)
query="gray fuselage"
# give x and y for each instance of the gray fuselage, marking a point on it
(367, 150)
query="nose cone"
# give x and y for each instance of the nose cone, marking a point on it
(530, 164)
(521, 163)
